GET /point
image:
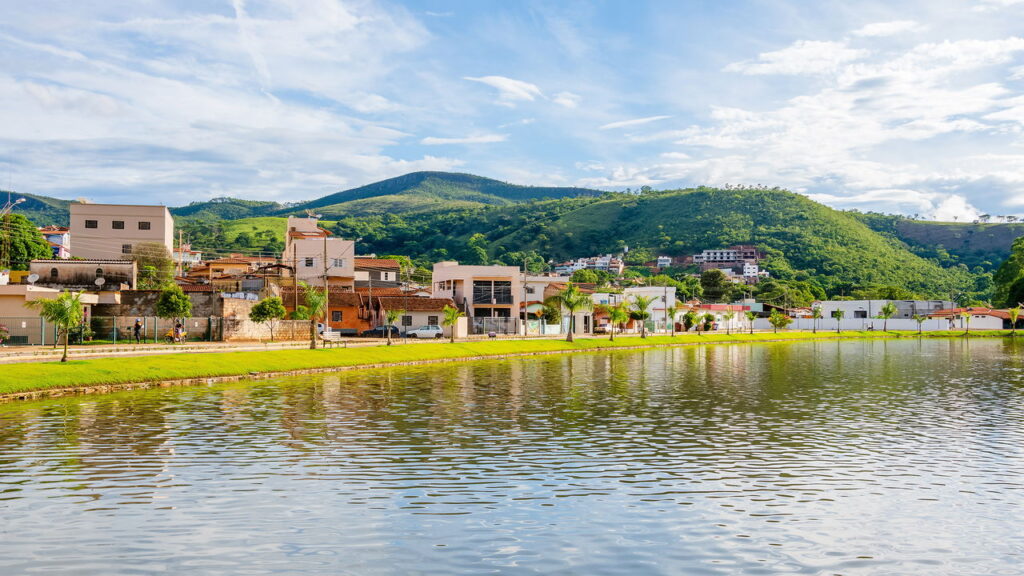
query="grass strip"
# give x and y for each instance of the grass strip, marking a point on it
(27, 377)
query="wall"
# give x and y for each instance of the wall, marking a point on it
(139, 303)
(829, 324)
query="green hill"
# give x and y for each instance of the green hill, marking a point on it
(226, 209)
(41, 210)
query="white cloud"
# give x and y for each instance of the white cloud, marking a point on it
(509, 89)
(477, 139)
(891, 28)
(803, 57)
(567, 99)
(633, 122)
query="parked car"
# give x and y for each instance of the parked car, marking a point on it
(426, 332)
(381, 332)
(602, 329)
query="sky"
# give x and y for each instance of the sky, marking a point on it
(904, 107)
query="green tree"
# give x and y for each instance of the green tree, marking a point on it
(476, 249)
(316, 305)
(888, 311)
(966, 315)
(268, 311)
(727, 317)
(173, 303)
(571, 300)
(920, 319)
(584, 277)
(451, 318)
(715, 284)
(639, 311)
(751, 316)
(156, 268)
(300, 313)
(838, 315)
(390, 317)
(690, 320)
(617, 315)
(815, 315)
(65, 311)
(708, 320)
(1014, 314)
(670, 318)
(24, 242)
(778, 320)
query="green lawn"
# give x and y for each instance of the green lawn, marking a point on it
(25, 377)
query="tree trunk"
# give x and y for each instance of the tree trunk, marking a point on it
(67, 333)
(572, 324)
(814, 330)
(885, 325)
(312, 334)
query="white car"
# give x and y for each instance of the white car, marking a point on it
(426, 332)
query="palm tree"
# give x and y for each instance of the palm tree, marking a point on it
(838, 315)
(920, 322)
(389, 317)
(639, 312)
(451, 318)
(618, 315)
(815, 315)
(751, 316)
(887, 311)
(727, 317)
(65, 312)
(670, 317)
(571, 300)
(966, 315)
(316, 304)
(1014, 314)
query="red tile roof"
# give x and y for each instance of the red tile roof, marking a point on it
(974, 311)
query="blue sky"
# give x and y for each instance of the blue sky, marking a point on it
(912, 107)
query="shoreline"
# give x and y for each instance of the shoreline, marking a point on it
(104, 375)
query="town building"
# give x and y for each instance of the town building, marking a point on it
(489, 295)
(22, 321)
(606, 263)
(315, 253)
(664, 298)
(348, 312)
(96, 274)
(109, 231)
(59, 239)
(377, 272)
(863, 309)
(731, 255)
(186, 257)
(416, 311)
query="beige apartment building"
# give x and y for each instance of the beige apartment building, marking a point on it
(314, 251)
(111, 231)
(489, 295)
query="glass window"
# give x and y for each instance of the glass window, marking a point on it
(126, 248)
(406, 320)
(309, 263)
(117, 224)
(338, 262)
(335, 315)
(144, 226)
(432, 320)
(92, 224)
(530, 289)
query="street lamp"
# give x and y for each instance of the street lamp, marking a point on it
(9, 206)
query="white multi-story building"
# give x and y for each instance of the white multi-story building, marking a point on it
(114, 230)
(606, 263)
(316, 253)
(482, 292)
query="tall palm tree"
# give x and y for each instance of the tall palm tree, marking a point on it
(670, 317)
(966, 315)
(815, 315)
(451, 318)
(316, 304)
(838, 315)
(920, 322)
(390, 316)
(65, 312)
(1014, 314)
(887, 311)
(727, 318)
(571, 300)
(617, 315)
(639, 312)
(751, 316)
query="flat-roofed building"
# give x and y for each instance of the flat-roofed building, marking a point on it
(109, 231)
(489, 295)
(314, 251)
(83, 274)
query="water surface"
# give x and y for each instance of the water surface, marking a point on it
(880, 457)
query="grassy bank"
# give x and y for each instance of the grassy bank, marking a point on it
(27, 377)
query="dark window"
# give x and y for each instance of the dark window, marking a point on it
(99, 272)
(143, 225)
(309, 263)
(126, 248)
(860, 314)
(406, 320)
(92, 224)
(488, 292)
(432, 320)
(117, 224)
(502, 313)
(53, 273)
(335, 315)
(529, 289)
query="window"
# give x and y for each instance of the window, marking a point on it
(432, 320)
(530, 289)
(126, 248)
(144, 226)
(99, 272)
(53, 273)
(117, 224)
(860, 314)
(309, 263)
(406, 320)
(338, 262)
(335, 315)
(92, 224)
(385, 275)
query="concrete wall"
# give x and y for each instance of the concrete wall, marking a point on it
(139, 303)
(829, 324)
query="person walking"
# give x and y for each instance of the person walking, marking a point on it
(137, 330)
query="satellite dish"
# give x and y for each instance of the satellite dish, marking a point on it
(32, 278)
(101, 281)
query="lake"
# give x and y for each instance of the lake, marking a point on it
(856, 457)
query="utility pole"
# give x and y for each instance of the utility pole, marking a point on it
(181, 255)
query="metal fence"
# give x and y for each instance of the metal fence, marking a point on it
(34, 331)
(481, 325)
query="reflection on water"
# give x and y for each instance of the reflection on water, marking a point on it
(857, 457)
